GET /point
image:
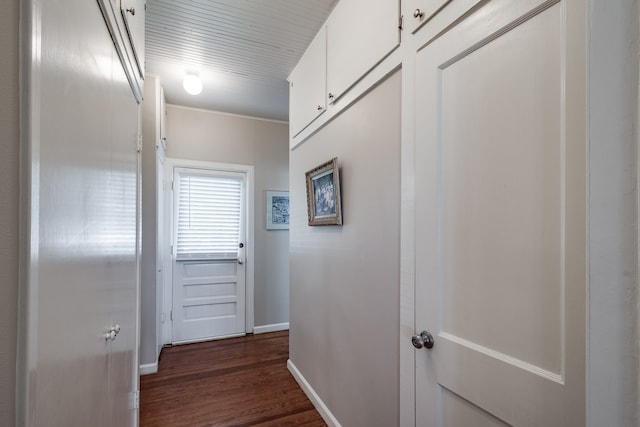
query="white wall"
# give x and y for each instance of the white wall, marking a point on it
(345, 280)
(214, 137)
(9, 187)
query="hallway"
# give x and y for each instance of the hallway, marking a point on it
(234, 382)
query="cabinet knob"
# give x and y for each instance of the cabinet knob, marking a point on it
(132, 11)
(418, 13)
(331, 96)
(425, 339)
(319, 107)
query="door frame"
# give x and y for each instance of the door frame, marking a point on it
(169, 165)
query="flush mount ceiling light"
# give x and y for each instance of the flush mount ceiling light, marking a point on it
(192, 84)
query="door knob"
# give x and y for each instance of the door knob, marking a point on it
(425, 339)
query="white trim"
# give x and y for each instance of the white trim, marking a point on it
(204, 110)
(271, 328)
(320, 406)
(613, 369)
(30, 76)
(148, 368)
(169, 165)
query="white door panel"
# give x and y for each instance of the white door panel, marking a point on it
(208, 299)
(500, 218)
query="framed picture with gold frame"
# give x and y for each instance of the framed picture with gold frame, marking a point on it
(323, 194)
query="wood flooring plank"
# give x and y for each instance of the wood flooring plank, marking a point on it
(234, 382)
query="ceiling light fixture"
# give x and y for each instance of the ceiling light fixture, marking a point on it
(192, 84)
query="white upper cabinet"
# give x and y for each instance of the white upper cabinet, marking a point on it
(308, 83)
(360, 33)
(125, 21)
(357, 37)
(417, 12)
(133, 15)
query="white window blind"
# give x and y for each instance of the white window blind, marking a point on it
(208, 215)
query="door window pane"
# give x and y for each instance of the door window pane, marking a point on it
(208, 215)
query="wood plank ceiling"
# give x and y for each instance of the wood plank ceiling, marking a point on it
(242, 50)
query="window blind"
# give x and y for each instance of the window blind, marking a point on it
(208, 216)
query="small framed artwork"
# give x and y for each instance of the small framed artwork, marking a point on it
(323, 194)
(277, 210)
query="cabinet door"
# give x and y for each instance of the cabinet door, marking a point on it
(133, 16)
(418, 12)
(125, 21)
(359, 35)
(307, 98)
(500, 230)
(81, 226)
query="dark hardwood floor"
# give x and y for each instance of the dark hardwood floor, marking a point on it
(233, 382)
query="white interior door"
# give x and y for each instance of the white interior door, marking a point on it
(500, 218)
(208, 254)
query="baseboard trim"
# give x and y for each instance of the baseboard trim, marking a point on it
(148, 368)
(270, 328)
(324, 411)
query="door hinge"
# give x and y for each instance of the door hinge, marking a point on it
(400, 23)
(171, 315)
(134, 399)
(140, 143)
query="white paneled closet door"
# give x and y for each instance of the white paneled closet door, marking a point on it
(501, 218)
(79, 305)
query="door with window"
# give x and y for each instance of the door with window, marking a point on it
(210, 223)
(501, 218)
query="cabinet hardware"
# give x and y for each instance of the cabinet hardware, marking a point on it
(418, 13)
(425, 339)
(132, 11)
(319, 107)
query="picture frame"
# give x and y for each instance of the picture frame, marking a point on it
(324, 206)
(277, 210)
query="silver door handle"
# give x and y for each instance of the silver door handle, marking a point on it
(425, 339)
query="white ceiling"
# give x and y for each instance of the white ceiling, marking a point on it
(243, 50)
